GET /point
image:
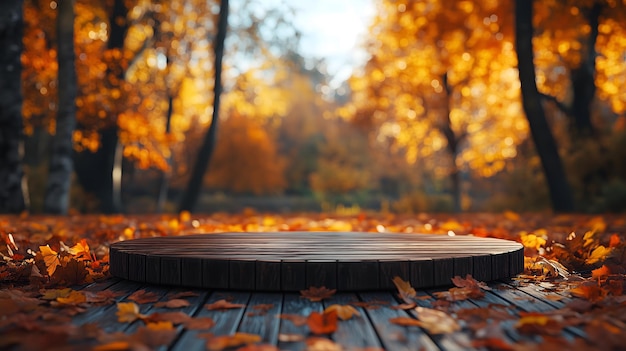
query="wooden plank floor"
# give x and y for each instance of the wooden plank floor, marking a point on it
(371, 329)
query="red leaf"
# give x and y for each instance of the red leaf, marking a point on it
(322, 323)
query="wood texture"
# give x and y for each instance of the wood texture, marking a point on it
(370, 329)
(292, 261)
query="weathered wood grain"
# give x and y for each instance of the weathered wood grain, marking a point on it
(292, 261)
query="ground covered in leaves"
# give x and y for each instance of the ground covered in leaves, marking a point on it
(579, 259)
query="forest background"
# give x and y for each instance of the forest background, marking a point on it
(433, 121)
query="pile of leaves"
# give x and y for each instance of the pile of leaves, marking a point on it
(45, 261)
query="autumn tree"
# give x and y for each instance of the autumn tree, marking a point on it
(581, 63)
(60, 165)
(560, 193)
(11, 173)
(439, 82)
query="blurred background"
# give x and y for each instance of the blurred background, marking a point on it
(387, 105)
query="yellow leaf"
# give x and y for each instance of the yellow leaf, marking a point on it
(344, 312)
(74, 298)
(50, 258)
(53, 294)
(598, 254)
(127, 312)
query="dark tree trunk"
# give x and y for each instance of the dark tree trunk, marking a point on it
(95, 171)
(545, 144)
(190, 196)
(11, 171)
(453, 141)
(583, 77)
(165, 175)
(57, 196)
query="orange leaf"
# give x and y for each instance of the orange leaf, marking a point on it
(317, 294)
(50, 258)
(600, 272)
(223, 305)
(344, 312)
(113, 346)
(591, 292)
(322, 323)
(81, 250)
(219, 343)
(614, 241)
(405, 321)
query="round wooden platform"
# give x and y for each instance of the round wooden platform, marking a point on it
(291, 261)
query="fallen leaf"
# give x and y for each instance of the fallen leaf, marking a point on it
(219, 343)
(113, 346)
(435, 321)
(315, 294)
(81, 250)
(174, 317)
(405, 321)
(322, 323)
(344, 312)
(105, 297)
(290, 337)
(405, 290)
(531, 323)
(199, 323)
(173, 303)
(74, 298)
(223, 305)
(128, 312)
(404, 306)
(598, 254)
(591, 292)
(50, 259)
(142, 296)
(53, 294)
(161, 325)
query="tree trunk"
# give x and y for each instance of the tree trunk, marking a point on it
(190, 197)
(11, 171)
(583, 77)
(545, 144)
(165, 175)
(57, 196)
(453, 141)
(95, 171)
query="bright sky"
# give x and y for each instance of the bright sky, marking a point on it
(334, 30)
